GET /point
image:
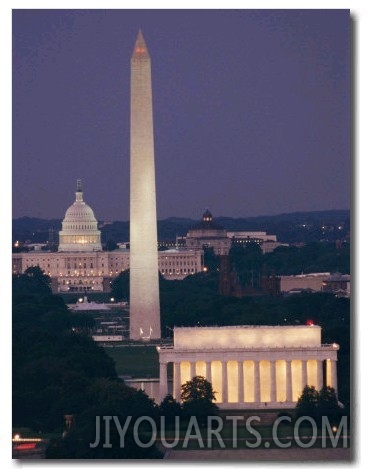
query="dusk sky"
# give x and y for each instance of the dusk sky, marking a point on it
(251, 110)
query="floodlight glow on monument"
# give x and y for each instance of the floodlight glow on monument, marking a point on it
(144, 282)
(250, 366)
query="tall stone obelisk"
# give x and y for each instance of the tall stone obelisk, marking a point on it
(144, 283)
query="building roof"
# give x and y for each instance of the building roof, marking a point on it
(207, 223)
(79, 227)
(79, 211)
(86, 305)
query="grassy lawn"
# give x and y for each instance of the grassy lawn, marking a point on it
(136, 361)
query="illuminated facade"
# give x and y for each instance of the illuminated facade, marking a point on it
(93, 271)
(80, 265)
(251, 366)
(79, 227)
(301, 282)
(268, 243)
(207, 233)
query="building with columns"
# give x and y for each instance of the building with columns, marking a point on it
(208, 233)
(81, 266)
(79, 227)
(250, 366)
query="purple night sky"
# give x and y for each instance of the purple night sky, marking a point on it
(251, 110)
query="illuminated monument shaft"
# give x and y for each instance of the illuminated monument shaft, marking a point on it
(144, 283)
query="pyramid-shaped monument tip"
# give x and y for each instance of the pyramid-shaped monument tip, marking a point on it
(140, 50)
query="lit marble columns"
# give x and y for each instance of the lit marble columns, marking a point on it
(224, 382)
(240, 382)
(333, 375)
(192, 370)
(273, 380)
(304, 374)
(208, 372)
(177, 383)
(256, 382)
(163, 388)
(319, 380)
(289, 384)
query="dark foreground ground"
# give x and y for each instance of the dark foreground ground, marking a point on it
(291, 454)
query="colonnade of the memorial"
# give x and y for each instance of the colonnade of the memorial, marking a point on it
(255, 381)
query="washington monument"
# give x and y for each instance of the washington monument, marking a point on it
(144, 283)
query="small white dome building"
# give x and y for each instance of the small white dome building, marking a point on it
(79, 227)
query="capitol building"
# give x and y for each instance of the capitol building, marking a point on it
(81, 265)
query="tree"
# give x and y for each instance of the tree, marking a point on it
(38, 274)
(170, 409)
(247, 261)
(197, 396)
(328, 404)
(318, 404)
(111, 245)
(307, 403)
(120, 286)
(32, 282)
(49, 357)
(211, 260)
(197, 388)
(107, 397)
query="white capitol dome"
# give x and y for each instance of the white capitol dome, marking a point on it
(79, 227)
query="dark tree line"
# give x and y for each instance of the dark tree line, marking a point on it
(313, 257)
(194, 301)
(290, 227)
(61, 376)
(57, 372)
(249, 263)
(318, 404)
(197, 400)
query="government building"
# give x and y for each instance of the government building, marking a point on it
(81, 265)
(250, 366)
(209, 234)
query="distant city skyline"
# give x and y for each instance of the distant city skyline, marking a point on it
(251, 110)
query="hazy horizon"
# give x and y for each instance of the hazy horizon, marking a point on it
(214, 216)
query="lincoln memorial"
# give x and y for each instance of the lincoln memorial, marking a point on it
(250, 366)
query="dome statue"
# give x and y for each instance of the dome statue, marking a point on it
(79, 227)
